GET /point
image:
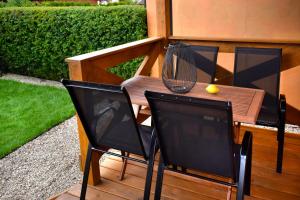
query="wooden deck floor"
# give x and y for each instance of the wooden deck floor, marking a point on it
(266, 184)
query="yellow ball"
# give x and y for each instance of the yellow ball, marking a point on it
(212, 89)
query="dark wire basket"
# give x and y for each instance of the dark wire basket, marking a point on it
(179, 73)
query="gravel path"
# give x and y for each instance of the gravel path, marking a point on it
(32, 80)
(45, 166)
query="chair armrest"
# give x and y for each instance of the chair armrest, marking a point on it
(245, 166)
(246, 143)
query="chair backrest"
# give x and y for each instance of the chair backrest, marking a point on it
(194, 133)
(259, 68)
(205, 62)
(106, 115)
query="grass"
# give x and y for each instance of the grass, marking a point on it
(27, 111)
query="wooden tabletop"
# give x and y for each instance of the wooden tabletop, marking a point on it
(246, 102)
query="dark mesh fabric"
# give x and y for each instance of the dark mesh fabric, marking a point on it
(194, 133)
(106, 116)
(205, 62)
(146, 137)
(260, 68)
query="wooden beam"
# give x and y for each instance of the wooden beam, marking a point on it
(92, 66)
(111, 60)
(157, 18)
(158, 25)
(239, 40)
(114, 50)
(146, 66)
(75, 71)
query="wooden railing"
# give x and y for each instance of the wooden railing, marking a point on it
(93, 67)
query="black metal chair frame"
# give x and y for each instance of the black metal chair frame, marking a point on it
(208, 66)
(242, 182)
(280, 125)
(148, 160)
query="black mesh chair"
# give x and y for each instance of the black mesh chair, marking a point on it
(205, 62)
(260, 68)
(108, 120)
(198, 135)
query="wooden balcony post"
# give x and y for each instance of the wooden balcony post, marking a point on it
(76, 73)
(158, 25)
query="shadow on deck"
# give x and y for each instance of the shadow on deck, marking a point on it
(266, 183)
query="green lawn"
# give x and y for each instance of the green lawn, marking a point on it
(26, 111)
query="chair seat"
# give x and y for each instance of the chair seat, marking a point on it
(146, 132)
(267, 118)
(237, 150)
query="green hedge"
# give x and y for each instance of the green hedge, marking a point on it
(18, 3)
(64, 3)
(35, 41)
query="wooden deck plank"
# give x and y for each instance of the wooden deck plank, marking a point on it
(138, 182)
(94, 194)
(269, 136)
(266, 178)
(138, 169)
(67, 196)
(266, 193)
(265, 150)
(266, 183)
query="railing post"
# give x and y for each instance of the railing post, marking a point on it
(158, 22)
(76, 72)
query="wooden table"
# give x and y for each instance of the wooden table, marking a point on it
(246, 102)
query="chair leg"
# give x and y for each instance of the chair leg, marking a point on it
(247, 186)
(86, 173)
(280, 136)
(240, 186)
(124, 165)
(159, 179)
(149, 173)
(123, 153)
(174, 167)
